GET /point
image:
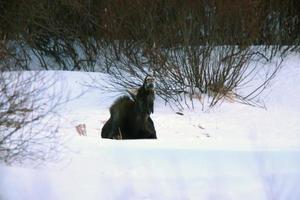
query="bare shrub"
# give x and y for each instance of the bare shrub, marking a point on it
(28, 123)
(192, 53)
(207, 73)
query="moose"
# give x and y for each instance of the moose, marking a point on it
(130, 115)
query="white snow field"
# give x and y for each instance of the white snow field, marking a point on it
(231, 152)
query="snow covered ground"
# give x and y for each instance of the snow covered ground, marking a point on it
(231, 152)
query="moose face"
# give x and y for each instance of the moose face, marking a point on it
(145, 96)
(149, 83)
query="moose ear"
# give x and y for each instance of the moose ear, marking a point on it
(145, 81)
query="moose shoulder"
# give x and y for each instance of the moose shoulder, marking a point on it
(130, 117)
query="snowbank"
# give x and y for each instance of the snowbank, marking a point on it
(232, 152)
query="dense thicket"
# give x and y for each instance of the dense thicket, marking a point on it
(190, 46)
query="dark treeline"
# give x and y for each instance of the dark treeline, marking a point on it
(166, 22)
(60, 28)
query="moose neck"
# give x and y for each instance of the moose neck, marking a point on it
(144, 102)
(142, 109)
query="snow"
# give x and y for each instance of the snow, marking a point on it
(231, 152)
